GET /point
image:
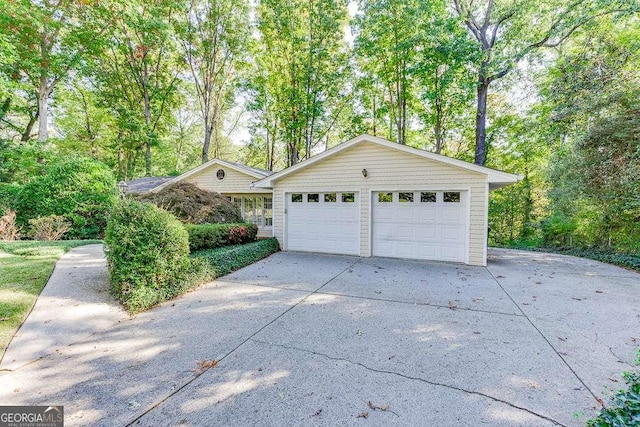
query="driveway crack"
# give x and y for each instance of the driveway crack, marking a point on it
(201, 372)
(412, 378)
(596, 398)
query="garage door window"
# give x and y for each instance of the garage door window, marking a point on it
(405, 197)
(385, 197)
(330, 198)
(348, 197)
(428, 197)
(313, 198)
(296, 198)
(451, 197)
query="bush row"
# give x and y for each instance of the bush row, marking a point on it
(224, 260)
(210, 236)
(147, 250)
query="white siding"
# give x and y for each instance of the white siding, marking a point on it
(387, 169)
(233, 182)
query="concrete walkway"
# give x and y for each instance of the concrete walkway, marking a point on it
(74, 304)
(534, 339)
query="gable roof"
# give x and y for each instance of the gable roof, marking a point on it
(147, 183)
(496, 178)
(238, 167)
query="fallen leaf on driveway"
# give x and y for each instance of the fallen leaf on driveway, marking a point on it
(359, 332)
(317, 413)
(363, 415)
(613, 379)
(577, 299)
(203, 365)
(561, 339)
(599, 292)
(476, 299)
(452, 306)
(534, 384)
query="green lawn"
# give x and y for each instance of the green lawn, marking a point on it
(25, 267)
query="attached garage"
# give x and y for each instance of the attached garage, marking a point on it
(323, 222)
(425, 224)
(372, 197)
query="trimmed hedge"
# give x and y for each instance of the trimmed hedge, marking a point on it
(225, 260)
(210, 236)
(147, 251)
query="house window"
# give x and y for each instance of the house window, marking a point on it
(330, 198)
(348, 197)
(385, 197)
(313, 197)
(296, 198)
(451, 197)
(405, 197)
(220, 174)
(428, 197)
(237, 202)
(268, 212)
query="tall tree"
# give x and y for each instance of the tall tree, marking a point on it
(507, 31)
(49, 38)
(138, 72)
(388, 31)
(215, 37)
(303, 55)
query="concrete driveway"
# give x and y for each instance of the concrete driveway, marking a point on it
(303, 339)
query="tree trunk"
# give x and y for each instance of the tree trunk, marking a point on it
(147, 121)
(26, 135)
(207, 142)
(481, 120)
(43, 106)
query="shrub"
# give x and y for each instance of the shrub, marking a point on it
(147, 252)
(51, 227)
(209, 236)
(8, 228)
(625, 407)
(81, 190)
(194, 205)
(226, 259)
(8, 195)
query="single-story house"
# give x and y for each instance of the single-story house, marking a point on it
(367, 197)
(235, 181)
(373, 197)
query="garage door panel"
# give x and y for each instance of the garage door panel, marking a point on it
(422, 230)
(330, 227)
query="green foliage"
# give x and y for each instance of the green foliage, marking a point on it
(82, 190)
(209, 236)
(624, 410)
(8, 195)
(147, 252)
(193, 205)
(226, 259)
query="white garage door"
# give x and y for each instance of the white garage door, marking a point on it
(323, 222)
(421, 225)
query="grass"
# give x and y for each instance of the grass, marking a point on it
(25, 267)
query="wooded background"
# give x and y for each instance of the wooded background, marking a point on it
(549, 89)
